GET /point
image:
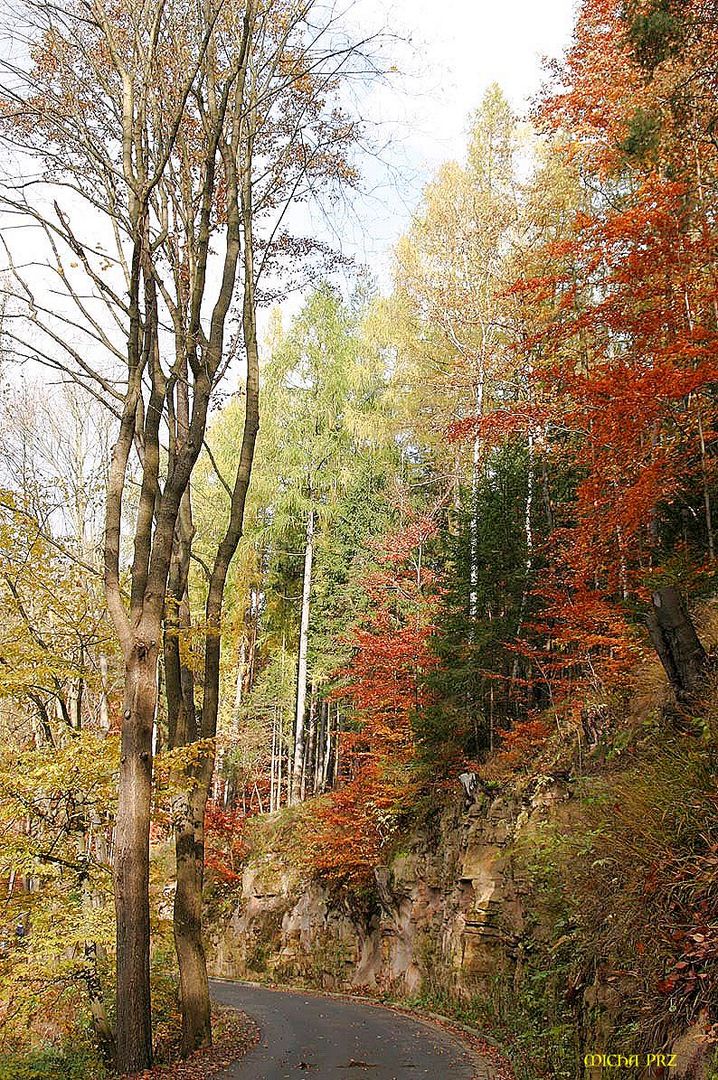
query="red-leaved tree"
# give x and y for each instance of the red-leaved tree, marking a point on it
(385, 686)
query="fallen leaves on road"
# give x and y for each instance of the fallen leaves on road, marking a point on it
(496, 1063)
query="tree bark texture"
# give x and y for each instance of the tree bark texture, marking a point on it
(675, 640)
(132, 859)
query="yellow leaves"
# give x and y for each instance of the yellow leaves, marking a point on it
(191, 641)
(56, 807)
(172, 766)
(53, 613)
(55, 816)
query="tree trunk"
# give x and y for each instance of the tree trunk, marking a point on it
(326, 760)
(273, 763)
(335, 765)
(676, 642)
(92, 829)
(280, 758)
(104, 694)
(193, 781)
(321, 741)
(100, 1020)
(528, 564)
(474, 541)
(707, 508)
(308, 785)
(196, 1015)
(132, 858)
(298, 766)
(189, 854)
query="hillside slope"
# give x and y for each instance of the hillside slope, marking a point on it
(569, 908)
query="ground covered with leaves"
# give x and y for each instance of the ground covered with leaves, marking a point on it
(235, 1034)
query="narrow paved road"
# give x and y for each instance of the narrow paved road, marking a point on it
(329, 1039)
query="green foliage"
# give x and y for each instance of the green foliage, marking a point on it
(271, 699)
(538, 1036)
(69, 1063)
(656, 31)
(644, 132)
(473, 680)
(627, 886)
(326, 448)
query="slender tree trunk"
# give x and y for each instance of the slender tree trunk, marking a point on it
(92, 825)
(280, 759)
(319, 756)
(308, 772)
(298, 766)
(528, 565)
(707, 508)
(193, 781)
(474, 541)
(100, 1020)
(132, 857)
(337, 751)
(546, 493)
(273, 762)
(193, 778)
(104, 695)
(327, 746)
(196, 1016)
(241, 668)
(187, 923)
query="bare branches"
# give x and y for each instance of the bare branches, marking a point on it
(215, 466)
(178, 137)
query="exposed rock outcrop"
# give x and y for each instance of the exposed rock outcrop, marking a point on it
(449, 902)
(452, 909)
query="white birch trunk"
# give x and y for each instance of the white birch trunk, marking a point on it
(298, 766)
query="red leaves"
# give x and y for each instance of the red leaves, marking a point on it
(225, 848)
(620, 342)
(698, 949)
(386, 685)
(493, 428)
(520, 744)
(525, 735)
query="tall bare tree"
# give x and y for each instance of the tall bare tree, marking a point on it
(159, 149)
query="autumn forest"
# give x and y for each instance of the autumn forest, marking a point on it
(358, 630)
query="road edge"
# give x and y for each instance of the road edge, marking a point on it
(500, 1069)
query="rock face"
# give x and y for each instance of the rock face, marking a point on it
(447, 907)
(450, 912)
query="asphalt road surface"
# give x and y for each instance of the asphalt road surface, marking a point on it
(329, 1039)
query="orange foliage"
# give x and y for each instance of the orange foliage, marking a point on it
(519, 745)
(225, 847)
(385, 685)
(622, 337)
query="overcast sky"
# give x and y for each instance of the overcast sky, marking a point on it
(459, 47)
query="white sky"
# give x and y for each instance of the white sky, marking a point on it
(458, 48)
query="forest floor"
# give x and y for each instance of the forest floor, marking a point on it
(235, 1035)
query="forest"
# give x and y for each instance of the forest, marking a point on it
(307, 570)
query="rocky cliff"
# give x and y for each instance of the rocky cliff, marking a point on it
(450, 918)
(449, 901)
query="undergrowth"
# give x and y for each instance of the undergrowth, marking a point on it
(624, 901)
(66, 1063)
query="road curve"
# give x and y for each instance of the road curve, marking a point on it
(330, 1039)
